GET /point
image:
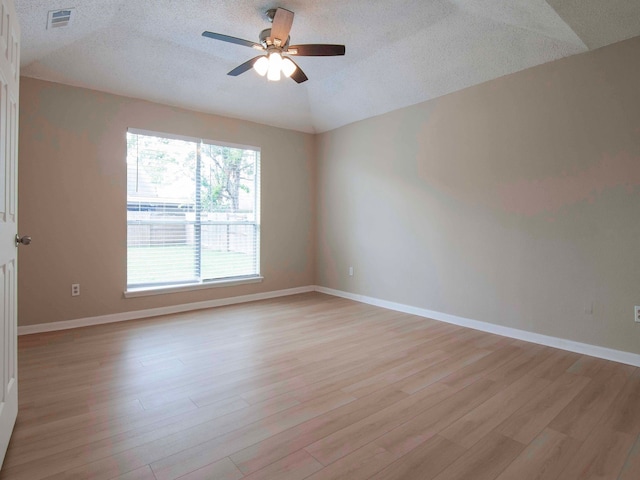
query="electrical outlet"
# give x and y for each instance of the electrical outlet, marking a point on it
(636, 317)
(75, 289)
(351, 271)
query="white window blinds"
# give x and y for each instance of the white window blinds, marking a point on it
(192, 211)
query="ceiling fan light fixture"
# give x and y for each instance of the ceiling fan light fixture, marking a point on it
(261, 66)
(288, 67)
(275, 66)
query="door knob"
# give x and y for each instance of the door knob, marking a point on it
(26, 240)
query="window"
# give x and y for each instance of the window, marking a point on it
(192, 211)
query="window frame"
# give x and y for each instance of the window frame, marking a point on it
(158, 289)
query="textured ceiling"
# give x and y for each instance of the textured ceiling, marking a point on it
(399, 52)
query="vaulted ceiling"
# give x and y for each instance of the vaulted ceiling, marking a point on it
(398, 52)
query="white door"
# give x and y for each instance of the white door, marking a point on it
(9, 87)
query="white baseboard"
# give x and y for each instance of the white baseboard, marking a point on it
(561, 343)
(154, 312)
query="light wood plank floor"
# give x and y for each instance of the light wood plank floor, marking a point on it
(316, 387)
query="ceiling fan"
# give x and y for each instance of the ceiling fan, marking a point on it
(274, 42)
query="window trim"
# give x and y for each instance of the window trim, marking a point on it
(148, 290)
(188, 138)
(186, 287)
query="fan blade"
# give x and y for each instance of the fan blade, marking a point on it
(244, 67)
(237, 41)
(281, 26)
(316, 50)
(298, 75)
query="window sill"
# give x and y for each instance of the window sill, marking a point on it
(146, 291)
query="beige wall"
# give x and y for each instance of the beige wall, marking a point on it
(516, 202)
(72, 200)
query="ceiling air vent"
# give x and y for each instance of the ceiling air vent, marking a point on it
(60, 18)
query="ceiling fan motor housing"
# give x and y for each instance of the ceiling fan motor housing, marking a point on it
(266, 40)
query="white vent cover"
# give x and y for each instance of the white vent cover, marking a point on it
(60, 18)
